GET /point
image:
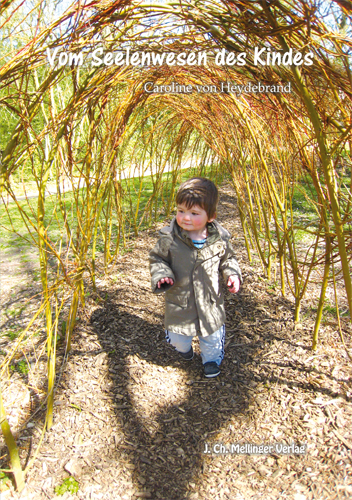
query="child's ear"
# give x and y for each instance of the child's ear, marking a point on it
(212, 218)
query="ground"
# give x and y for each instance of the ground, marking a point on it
(133, 420)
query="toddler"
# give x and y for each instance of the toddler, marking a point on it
(185, 264)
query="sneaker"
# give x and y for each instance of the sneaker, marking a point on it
(211, 369)
(187, 355)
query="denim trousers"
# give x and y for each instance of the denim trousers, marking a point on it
(211, 347)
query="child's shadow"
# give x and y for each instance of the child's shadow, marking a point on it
(166, 415)
(168, 411)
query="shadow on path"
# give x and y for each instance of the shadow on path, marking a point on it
(166, 443)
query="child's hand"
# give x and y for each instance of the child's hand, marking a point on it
(169, 281)
(233, 283)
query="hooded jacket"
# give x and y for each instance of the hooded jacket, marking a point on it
(194, 304)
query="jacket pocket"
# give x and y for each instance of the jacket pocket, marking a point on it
(181, 301)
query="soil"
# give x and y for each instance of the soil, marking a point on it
(134, 420)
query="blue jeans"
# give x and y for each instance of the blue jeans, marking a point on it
(211, 347)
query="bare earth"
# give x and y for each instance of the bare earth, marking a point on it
(133, 420)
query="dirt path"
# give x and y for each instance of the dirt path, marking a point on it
(133, 420)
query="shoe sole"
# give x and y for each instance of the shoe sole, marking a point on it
(187, 359)
(212, 375)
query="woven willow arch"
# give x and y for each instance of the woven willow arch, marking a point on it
(89, 122)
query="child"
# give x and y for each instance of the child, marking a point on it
(185, 264)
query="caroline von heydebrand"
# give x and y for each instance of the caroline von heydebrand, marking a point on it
(259, 57)
(227, 87)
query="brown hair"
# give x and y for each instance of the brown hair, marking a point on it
(199, 191)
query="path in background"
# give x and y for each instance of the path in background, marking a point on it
(66, 185)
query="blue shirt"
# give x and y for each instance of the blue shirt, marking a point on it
(199, 243)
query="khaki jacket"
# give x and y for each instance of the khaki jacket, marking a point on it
(194, 304)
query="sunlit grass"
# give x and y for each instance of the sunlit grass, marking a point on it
(14, 232)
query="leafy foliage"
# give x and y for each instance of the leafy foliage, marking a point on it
(68, 485)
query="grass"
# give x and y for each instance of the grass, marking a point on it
(14, 233)
(12, 334)
(333, 311)
(304, 212)
(22, 367)
(328, 310)
(15, 311)
(5, 481)
(304, 207)
(273, 286)
(68, 485)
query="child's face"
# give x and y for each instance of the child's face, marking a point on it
(192, 219)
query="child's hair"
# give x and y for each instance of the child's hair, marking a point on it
(199, 191)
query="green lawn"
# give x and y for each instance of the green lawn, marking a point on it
(17, 226)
